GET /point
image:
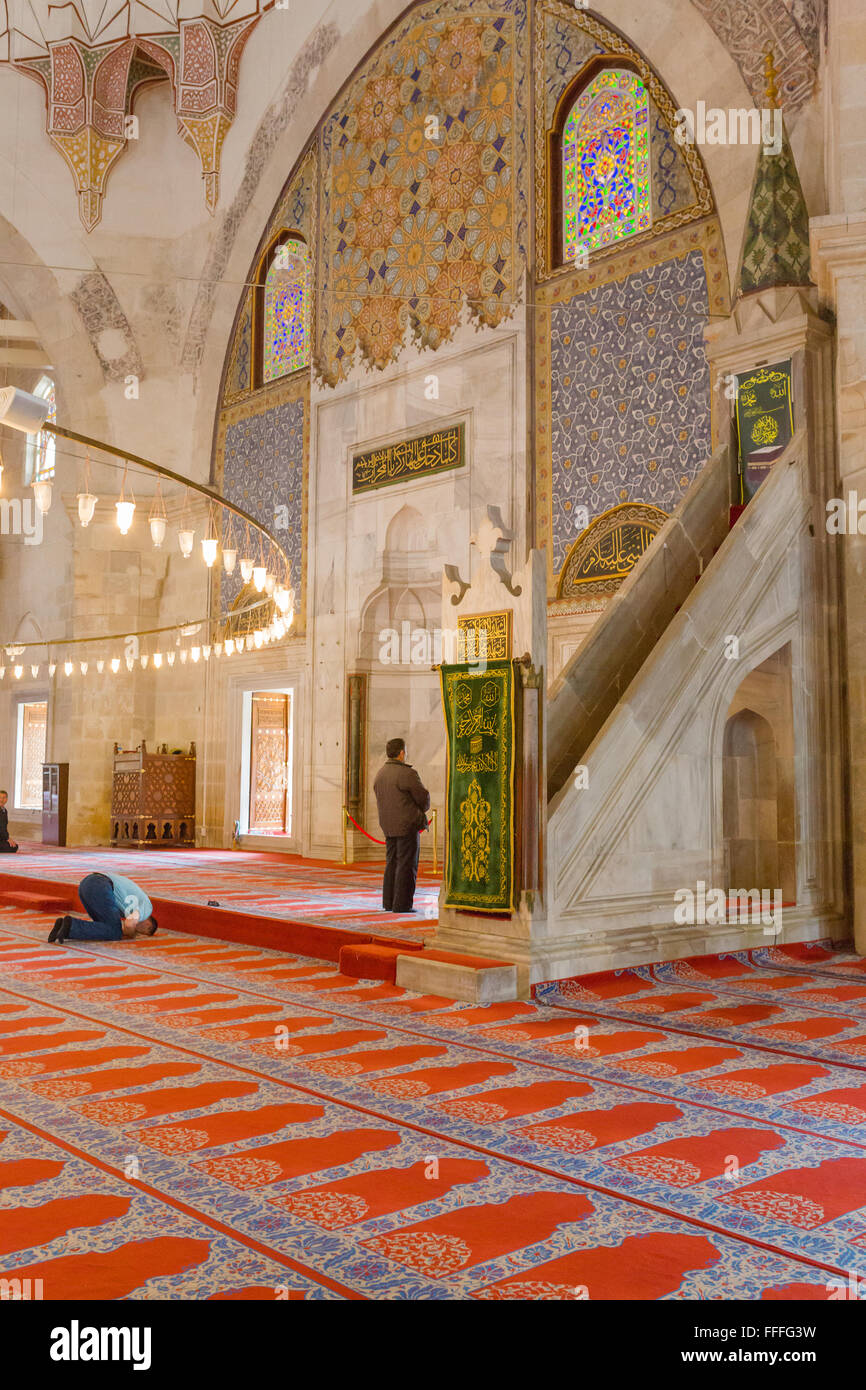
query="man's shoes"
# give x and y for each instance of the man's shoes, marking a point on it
(60, 930)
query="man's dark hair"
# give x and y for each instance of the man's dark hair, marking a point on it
(152, 925)
(394, 747)
(3, 792)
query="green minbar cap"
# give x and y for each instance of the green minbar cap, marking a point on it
(776, 245)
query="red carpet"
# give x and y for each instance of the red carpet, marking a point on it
(185, 1121)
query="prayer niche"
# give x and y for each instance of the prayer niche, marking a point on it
(286, 311)
(605, 164)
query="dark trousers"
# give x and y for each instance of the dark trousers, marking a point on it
(97, 895)
(6, 848)
(401, 871)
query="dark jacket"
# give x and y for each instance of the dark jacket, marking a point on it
(401, 798)
(4, 823)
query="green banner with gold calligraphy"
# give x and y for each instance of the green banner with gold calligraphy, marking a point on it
(479, 801)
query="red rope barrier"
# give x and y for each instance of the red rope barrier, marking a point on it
(363, 831)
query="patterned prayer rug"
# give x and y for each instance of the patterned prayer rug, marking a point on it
(182, 1119)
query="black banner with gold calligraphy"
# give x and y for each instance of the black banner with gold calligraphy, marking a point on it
(479, 797)
(429, 453)
(765, 422)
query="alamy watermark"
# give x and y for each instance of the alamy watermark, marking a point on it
(422, 646)
(736, 126)
(846, 516)
(705, 906)
(21, 517)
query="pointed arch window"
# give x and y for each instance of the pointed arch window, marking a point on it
(283, 309)
(605, 164)
(39, 459)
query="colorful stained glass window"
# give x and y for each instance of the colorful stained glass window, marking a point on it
(40, 447)
(605, 164)
(286, 311)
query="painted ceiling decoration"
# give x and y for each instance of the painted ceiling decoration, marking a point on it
(92, 61)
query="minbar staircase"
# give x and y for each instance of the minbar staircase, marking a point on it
(595, 678)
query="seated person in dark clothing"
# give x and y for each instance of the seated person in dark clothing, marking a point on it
(116, 906)
(7, 846)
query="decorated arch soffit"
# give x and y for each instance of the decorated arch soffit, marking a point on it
(423, 185)
(295, 212)
(91, 62)
(262, 438)
(790, 29)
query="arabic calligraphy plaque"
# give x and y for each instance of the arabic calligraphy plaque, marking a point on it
(438, 452)
(609, 549)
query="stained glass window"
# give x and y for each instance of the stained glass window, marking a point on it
(605, 164)
(40, 447)
(286, 311)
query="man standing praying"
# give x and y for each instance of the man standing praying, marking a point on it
(402, 800)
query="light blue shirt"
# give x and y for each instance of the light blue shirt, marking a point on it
(129, 897)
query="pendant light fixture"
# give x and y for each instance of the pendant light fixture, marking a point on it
(42, 494)
(210, 544)
(125, 508)
(157, 519)
(86, 499)
(186, 535)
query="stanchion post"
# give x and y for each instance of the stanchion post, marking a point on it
(345, 838)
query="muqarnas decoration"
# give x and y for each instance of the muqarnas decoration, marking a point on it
(91, 75)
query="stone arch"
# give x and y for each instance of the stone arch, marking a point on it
(758, 793)
(678, 189)
(67, 324)
(410, 592)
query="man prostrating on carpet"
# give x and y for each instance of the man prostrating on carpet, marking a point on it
(403, 801)
(116, 906)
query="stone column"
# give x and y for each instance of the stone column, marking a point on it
(839, 259)
(839, 268)
(518, 936)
